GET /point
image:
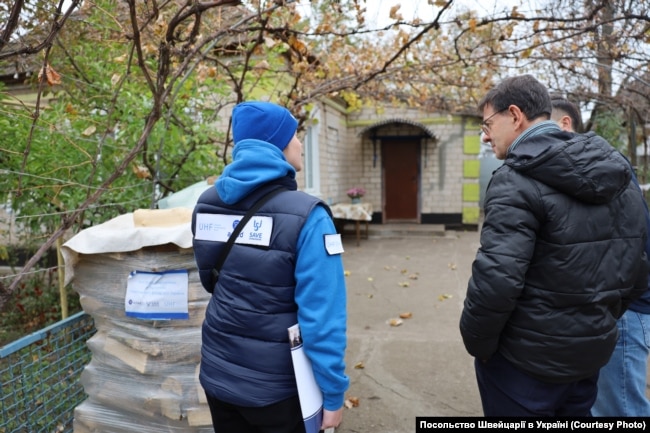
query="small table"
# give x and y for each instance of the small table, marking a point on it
(356, 212)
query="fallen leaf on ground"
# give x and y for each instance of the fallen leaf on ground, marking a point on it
(452, 266)
(414, 276)
(346, 273)
(371, 279)
(406, 315)
(395, 322)
(444, 296)
(351, 402)
(404, 271)
(404, 284)
(89, 131)
(359, 365)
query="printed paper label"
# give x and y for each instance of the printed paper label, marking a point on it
(219, 227)
(333, 244)
(157, 295)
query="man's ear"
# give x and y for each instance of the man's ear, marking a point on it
(518, 117)
(565, 123)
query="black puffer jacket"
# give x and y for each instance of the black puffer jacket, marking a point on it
(561, 256)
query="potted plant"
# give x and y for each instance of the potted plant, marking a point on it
(356, 193)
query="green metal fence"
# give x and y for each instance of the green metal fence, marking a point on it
(39, 377)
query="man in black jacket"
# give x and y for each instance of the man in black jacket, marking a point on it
(562, 255)
(623, 380)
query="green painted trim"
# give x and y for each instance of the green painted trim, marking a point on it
(471, 192)
(335, 105)
(472, 168)
(442, 120)
(471, 144)
(355, 123)
(445, 120)
(471, 215)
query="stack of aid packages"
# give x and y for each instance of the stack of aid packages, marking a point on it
(137, 278)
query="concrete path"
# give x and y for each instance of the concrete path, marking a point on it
(419, 368)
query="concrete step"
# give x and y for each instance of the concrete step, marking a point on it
(395, 230)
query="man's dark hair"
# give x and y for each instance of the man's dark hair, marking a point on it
(567, 107)
(525, 92)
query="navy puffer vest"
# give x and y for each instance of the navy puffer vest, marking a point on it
(246, 357)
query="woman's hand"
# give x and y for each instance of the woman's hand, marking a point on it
(332, 418)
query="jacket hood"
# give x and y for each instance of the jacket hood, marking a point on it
(254, 163)
(583, 166)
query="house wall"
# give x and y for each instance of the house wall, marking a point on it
(338, 154)
(449, 185)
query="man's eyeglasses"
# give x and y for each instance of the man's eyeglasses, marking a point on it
(485, 126)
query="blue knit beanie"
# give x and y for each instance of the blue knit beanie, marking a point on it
(263, 121)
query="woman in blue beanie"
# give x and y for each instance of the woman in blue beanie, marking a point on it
(285, 268)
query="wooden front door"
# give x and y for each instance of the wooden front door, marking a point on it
(401, 162)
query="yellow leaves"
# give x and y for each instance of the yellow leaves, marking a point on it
(451, 266)
(352, 99)
(404, 284)
(515, 13)
(300, 67)
(160, 27)
(359, 366)
(472, 24)
(406, 315)
(347, 273)
(444, 296)
(141, 172)
(149, 49)
(527, 53)
(51, 76)
(70, 109)
(394, 13)
(297, 45)
(204, 72)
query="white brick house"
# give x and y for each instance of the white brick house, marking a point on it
(416, 167)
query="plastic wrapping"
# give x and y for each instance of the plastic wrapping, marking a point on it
(143, 375)
(91, 417)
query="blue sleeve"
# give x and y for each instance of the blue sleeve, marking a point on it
(322, 315)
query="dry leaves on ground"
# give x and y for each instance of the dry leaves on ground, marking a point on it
(351, 402)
